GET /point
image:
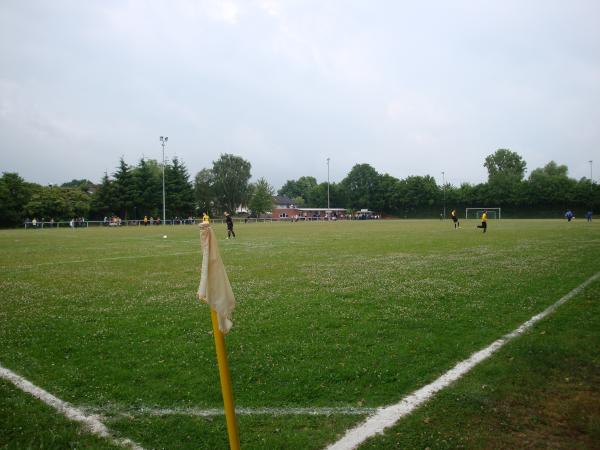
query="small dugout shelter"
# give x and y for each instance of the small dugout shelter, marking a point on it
(295, 214)
(285, 209)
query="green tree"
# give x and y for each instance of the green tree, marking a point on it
(550, 186)
(203, 191)
(147, 189)
(391, 194)
(299, 201)
(361, 187)
(83, 185)
(49, 202)
(262, 198)
(464, 195)
(78, 202)
(506, 170)
(505, 164)
(420, 193)
(552, 170)
(299, 188)
(179, 190)
(124, 190)
(102, 204)
(317, 196)
(231, 176)
(53, 202)
(15, 193)
(588, 194)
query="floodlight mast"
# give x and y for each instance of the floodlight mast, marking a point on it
(591, 186)
(328, 183)
(444, 186)
(163, 142)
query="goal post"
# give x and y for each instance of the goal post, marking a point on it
(475, 213)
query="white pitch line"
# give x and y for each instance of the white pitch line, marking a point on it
(112, 258)
(211, 412)
(387, 416)
(91, 422)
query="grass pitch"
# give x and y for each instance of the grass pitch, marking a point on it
(346, 314)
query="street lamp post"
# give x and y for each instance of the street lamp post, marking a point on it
(327, 183)
(163, 142)
(444, 185)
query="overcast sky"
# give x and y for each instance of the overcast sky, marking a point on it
(412, 88)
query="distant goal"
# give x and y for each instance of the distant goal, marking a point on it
(475, 213)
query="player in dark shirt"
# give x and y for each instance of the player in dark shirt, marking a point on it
(455, 219)
(229, 223)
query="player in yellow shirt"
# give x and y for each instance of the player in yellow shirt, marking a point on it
(455, 219)
(205, 218)
(483, 221)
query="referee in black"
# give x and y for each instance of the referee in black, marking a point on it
(229, 223)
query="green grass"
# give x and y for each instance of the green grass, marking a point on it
(25, 423)
(540, 391)
(333, 314)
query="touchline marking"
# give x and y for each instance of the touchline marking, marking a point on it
(387, 416)
(91, 422)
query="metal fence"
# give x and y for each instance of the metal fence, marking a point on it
(170, 222)
(129, 223)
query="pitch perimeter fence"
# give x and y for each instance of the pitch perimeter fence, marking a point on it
(170, 222)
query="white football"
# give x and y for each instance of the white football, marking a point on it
(165, 236)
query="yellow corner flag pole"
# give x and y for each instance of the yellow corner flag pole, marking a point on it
(232, 428)
(215, 290)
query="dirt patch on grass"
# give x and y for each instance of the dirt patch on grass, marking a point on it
(565, 415)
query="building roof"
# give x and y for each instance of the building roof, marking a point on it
(282, 200)
(321, 209)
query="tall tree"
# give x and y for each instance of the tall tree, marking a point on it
(203, 191)
(506, 170)
(78, 202)
(179, 190)
(420, 192)
(362, 187)
(299, 188)
(391, 194)
(262, 198)
(83, 185)
(506, 164)
(102, 204)
(550, 186)
(15, 193)
(148, 189)
(49, 202)
(124, 190)
(231, 176)
(317, 196)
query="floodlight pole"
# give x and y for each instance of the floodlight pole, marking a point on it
(327, 183)
(591, 186)
(163, 142)
(444, 185)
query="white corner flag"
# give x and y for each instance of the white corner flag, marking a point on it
(216, 291)
(214, 286)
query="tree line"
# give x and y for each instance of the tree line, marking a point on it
(135, 191)
(547, 192)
